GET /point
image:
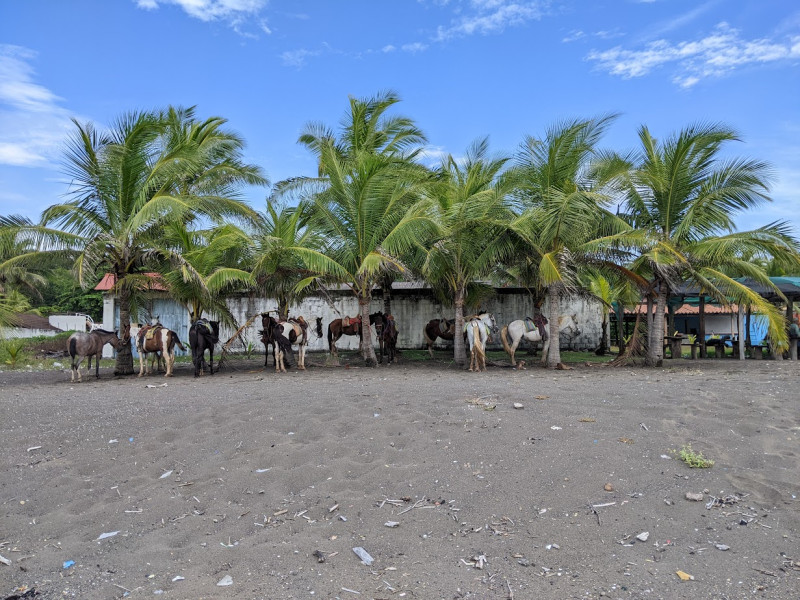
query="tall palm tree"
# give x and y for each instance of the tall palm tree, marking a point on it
(682, 197)
(366, 201)
(471, 207)
(130, 181)
(565, 209)
(20, 264)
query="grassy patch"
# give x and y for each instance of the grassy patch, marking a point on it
(695, 460)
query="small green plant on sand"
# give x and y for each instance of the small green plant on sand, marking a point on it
(695, 460)
(12, 351)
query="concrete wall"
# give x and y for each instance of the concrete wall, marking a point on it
(74, 322)
(24, 332)
(412, 308)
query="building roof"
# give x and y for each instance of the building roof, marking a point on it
(690, 309)
(32, 321)
(109, 280)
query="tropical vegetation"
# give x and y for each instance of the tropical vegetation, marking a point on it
(160, 192)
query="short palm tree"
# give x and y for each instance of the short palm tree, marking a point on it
(470, 204)
(276, 265)
(366, 199)
(681, 198)
(130, 181)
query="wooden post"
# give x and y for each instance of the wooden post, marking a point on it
(701, 335)
(740, 327)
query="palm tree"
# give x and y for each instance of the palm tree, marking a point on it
(19, 262)
(127, 183)
(200, 266)
(366, 201)
(276, 265)
(565, 210)
(470, 205)
(681, 199)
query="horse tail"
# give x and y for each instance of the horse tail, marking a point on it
(425, 333)
(177, 340)
(504, 339)
(73, 347)
(330, 336)
(477, 343)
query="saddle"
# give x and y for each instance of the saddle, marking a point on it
(205, 324)
(347, 321)
(537, 322)
(300, 326)
(151, 330)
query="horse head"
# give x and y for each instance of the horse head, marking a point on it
(117, 342)
(318, 327)
(569, 324)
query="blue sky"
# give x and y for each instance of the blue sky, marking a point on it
(464, 69)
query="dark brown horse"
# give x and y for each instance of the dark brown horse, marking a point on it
(348, 326)
(81, 345)
(443, 328)
(203, 335)
(387, 337)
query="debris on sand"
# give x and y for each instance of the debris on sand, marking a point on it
(363, 555)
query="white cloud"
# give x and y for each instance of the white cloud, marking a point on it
(491, 16)
(712, 56)
(33, 125)
(414, 48)
(388, 48)
(234, 12)
(297, 58)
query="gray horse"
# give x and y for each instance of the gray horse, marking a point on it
(80, 345)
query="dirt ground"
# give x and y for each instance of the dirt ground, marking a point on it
(500, 485)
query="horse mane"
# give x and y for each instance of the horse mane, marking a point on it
(98, 330)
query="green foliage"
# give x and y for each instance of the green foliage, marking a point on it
(695, 460)
(11, 351)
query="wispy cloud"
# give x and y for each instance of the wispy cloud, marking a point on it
(236, 13)
(32, 123)
(717, 54)
(491, 16)
(298, 58)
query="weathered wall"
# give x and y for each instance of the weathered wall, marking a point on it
(412, 309)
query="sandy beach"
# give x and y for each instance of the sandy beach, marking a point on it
(501, 485)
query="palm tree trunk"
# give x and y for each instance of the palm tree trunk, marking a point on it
(459, 350)
(620, 328)
(655, 349)
(554, 310)
(283, 309)
(367, 351)
(124, 364)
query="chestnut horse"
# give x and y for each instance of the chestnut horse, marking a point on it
(157, 339)
(337, 329)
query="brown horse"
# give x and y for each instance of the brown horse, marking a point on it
(81, 345)
(157, 339)
(443, 328)
(387, 338)
(348, 326)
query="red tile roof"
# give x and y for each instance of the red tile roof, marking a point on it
(690, 309)
(109, 279)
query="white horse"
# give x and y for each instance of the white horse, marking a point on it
(519, 330)
(478, 329)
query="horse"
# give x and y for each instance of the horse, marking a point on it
(81, 345)
(158, 340)
(267, 333)
(203, 335)
(519, 330)
(478, 329)
(295, 331)
(387, 338)
(347, 326)
(443, 328)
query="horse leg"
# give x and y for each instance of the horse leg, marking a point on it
(301, 357)
(169, 360)
(211, 359)
(514, 345)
